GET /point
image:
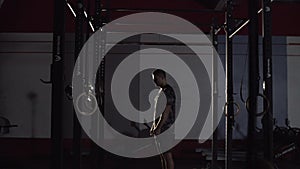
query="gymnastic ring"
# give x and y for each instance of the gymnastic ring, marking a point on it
(77, 104)
(265, 110)
(234, 103)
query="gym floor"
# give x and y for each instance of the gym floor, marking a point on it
(119, 163)
(187, 155)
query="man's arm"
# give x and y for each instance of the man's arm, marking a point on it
(162, 119)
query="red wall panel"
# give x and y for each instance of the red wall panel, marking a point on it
(37, 15)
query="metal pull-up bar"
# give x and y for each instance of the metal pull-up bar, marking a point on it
(244, 23)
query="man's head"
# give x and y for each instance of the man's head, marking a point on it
(159, 77)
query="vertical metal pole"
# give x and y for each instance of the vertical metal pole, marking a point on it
(253, 80)
(215, 97)
(98, 19)
(229, 86)
(268, 88)
(57, 69)
(97, 151)
(78, 45)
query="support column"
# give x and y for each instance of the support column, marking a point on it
(98, 11)
(253, 80)
(98, 152)
(78, 45)
(229, 86)
(214, 38)
(267, 120)
(57, 72)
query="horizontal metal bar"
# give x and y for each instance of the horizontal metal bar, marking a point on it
(243, 25)
(161, 10)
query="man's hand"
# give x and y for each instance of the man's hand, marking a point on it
(155, 131)
(152, 129)
(151, 132)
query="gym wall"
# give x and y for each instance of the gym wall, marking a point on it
(25, 101)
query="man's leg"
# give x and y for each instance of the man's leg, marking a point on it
(163, 161)
(169, 158)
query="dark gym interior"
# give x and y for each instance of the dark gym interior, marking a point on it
(249, 52)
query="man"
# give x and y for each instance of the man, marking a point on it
(167, 117)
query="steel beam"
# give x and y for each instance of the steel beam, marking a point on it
(267, 120)
(253, 80)
(98, 12)
(242, 25)
(57, 68)
(214, 38)
(79, 40)
(229, 86)
(98, 152)
(165, 10)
